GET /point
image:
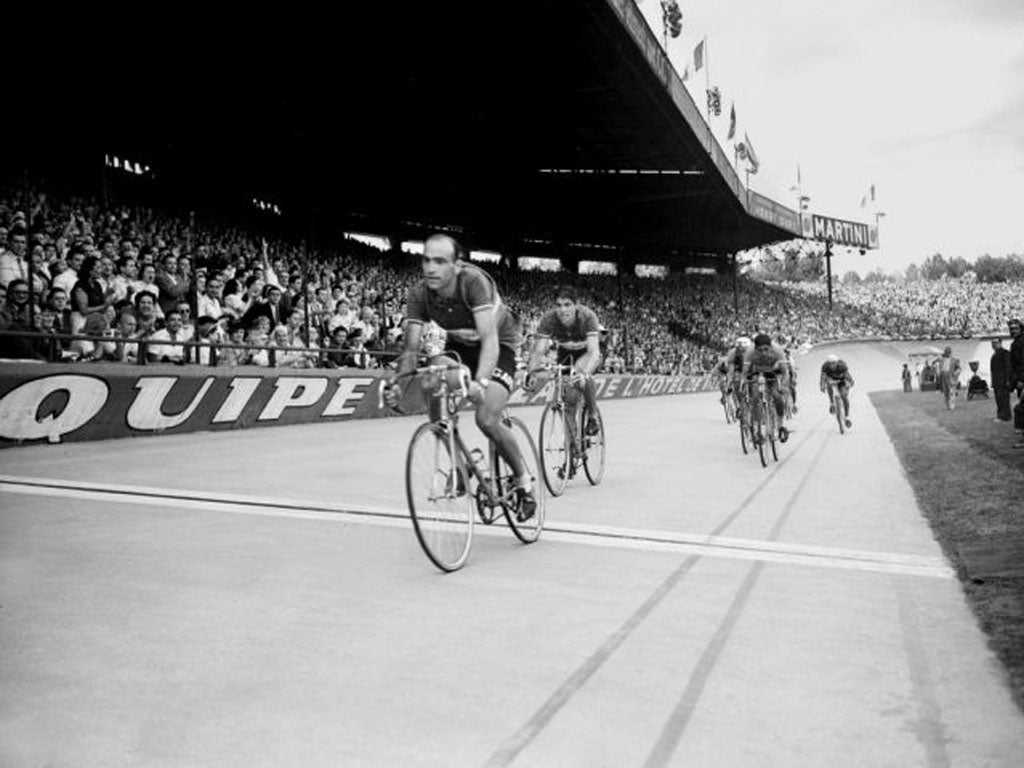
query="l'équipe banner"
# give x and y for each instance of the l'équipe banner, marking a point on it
(69, 403)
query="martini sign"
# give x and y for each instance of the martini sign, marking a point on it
(852, 233)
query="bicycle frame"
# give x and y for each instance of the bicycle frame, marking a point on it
(449, 421)
(564, 377)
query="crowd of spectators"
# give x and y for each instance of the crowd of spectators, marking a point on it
(138, 281)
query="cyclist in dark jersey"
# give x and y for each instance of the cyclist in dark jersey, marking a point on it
(835, 373)
(481, 332)
(576, 332)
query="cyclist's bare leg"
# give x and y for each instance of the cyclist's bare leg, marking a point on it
(488, 418)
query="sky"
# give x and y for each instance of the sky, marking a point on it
(924, 99)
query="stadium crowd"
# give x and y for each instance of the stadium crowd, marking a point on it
(133, 278)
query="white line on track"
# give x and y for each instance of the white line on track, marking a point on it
(569, 533)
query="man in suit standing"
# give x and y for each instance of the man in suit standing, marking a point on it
(1017, 376)
(949, 376)
(999, 367)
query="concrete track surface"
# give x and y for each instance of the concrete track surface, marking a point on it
(257, 598)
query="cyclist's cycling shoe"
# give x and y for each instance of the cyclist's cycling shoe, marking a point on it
(593, 427)
(783, 434)
(832, 409)
(849, 423)
(526, 505)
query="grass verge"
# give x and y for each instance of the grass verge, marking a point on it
(969, 483)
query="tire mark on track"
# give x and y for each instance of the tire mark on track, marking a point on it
(522, 738)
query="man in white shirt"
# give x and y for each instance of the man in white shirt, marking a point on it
(164, 345)
(12, 261)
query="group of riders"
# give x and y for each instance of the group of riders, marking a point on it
(481, 335)
(750, 358)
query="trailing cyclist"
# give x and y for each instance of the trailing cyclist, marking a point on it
(575, 330)
(481, 334)
(836, 373)
(769, 359)
(730, 369)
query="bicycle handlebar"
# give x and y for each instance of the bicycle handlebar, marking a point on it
(464, 379)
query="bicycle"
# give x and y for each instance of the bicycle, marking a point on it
(728, 405)
(564, 444)
(448, 485)
(838, 407)
(763, 419)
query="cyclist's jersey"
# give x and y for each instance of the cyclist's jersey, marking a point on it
(731, 363)
(835, 372)
(755, 361)
(474, 290)
(572, 337)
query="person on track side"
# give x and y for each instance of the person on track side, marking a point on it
(836, 373)
(575, 330)
(769, 359)
(481, 334)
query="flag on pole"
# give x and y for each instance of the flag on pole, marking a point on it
(732, 123)
(686, 72)
(751, 155)
(698, 56)
(798, 174)
(864, 201)
(872, 193)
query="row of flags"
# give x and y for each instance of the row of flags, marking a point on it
(744, 150)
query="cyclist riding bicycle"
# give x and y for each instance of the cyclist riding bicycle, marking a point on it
(730, 369)
(481, 332)
(575, 330)
(835, 372)
(769, 359)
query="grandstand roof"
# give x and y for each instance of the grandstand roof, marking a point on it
(397, 118)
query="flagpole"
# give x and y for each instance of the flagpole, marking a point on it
(707, 89)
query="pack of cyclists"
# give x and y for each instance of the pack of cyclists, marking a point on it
(481, 334)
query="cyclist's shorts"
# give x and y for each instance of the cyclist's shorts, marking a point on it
(504, 373)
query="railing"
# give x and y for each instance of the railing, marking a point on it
(191, 348)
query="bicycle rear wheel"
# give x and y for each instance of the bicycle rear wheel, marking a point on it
(555, 450)
(440, 504)
(593, 448)
(773, 431)
(744, 434)
(527, 531)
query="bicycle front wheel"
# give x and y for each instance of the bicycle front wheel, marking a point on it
(555, 448)
(527, 531)
(773, 431)
(440, 504)
(840, 412)
(757, 428)
(593, 448)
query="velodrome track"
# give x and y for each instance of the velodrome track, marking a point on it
(257, 598)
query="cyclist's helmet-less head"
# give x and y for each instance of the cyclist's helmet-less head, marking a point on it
(762, 340)
(743, 342)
